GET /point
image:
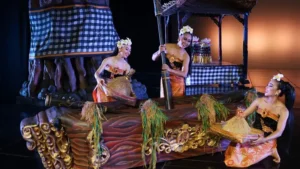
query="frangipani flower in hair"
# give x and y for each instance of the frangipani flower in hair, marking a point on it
(278, 77)
(122, 42)
(186, 29)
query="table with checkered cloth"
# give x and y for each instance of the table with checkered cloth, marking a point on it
(206, 75)
(71, 30)
(196, 90)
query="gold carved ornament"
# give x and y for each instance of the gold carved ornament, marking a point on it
(182, 139)
(52, 145)
(99, 160)
(187, 137)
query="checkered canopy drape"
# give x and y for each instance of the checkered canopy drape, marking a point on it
(71, 29)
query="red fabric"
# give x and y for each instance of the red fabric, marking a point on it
(99, 96)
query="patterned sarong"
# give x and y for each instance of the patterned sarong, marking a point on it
(245, 155)
(177, 86)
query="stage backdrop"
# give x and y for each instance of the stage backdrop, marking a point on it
(274, 35)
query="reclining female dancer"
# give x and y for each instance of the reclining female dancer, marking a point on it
(112, 67)
(272, 118)
(179, 61)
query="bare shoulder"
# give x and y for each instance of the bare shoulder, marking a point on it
(259, 100)
(107, 59)
(186, 55)
(283, 109)
(127, 64)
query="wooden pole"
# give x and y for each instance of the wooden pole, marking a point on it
(220, 38)
(165, 74)
(245, 46)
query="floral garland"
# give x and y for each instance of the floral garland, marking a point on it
(251, 95)
(93, 114)
(209, 110)
(153, 120)
(205, 42)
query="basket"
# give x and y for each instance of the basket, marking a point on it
(238, 138)
(120, 89)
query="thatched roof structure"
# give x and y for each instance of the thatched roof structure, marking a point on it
(208, 7)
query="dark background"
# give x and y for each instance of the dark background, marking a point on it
(274, 38)
(138, 23)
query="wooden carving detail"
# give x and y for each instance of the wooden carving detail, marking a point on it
(182, 139)
(51, 144)
(100, 160)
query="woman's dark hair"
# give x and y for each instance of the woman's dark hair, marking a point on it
(288, 91)
(190, 51)
(115, 52)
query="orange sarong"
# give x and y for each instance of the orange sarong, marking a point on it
(177, 86)
(245, 155)
(102, 93)
(99, 96)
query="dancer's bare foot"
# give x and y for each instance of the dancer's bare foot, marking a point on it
(275, 155)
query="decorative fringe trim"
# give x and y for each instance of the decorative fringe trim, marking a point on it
(250, 96)
(94, 115)
(153, 120)
(210, 110)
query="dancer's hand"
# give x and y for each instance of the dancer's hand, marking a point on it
(165, 67)
(240, 112)
(162, 48)
(260, 140)
(100, 81)
(131, 72)
(223, 123)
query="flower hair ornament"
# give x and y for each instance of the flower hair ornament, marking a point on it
(122, 42)
(186, 29)
(278, 77)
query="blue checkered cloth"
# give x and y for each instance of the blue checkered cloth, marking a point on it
(196, 90)
(72, 31)
(205, 75)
